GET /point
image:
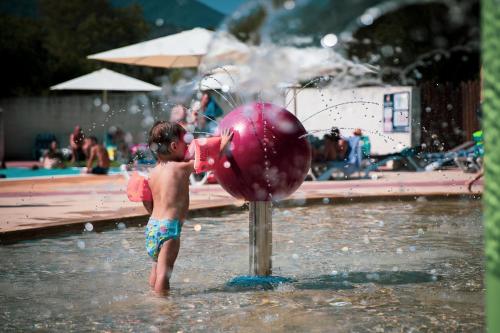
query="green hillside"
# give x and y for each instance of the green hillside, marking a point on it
(175, 15)
(164, 16)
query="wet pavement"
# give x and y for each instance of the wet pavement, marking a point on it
(57, 204)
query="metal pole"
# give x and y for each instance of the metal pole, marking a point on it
(260, 232)
(491, 72)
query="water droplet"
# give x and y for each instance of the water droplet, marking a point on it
(159, 22)
(227, 164)
(326, 201)
(81, 244)
(345, 249)
(188, 138)
(387, 51)
(329, 40)
(121, 226)
(366, 19)
(89, 226)
(289, 4)
(197, 227)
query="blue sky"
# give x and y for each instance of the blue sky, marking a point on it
(223, 6)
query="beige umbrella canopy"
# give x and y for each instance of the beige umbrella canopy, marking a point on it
(184, 49)
(105, 80)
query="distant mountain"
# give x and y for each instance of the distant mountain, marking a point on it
(168, 16)
(164, 16)
(24, 8)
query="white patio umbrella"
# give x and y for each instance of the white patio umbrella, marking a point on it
(184, 49)
(105, 80)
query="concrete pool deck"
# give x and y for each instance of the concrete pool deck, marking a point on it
(37, 207)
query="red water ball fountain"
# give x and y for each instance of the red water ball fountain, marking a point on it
(269, 155)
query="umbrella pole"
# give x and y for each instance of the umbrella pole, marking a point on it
(104, 102)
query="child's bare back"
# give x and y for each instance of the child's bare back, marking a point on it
(169, 183)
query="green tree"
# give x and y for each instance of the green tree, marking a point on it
(51, 44)
(77, 28)
(22, 56)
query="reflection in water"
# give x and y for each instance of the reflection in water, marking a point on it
(364, 267)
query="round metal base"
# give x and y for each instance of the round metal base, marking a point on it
(248, 282)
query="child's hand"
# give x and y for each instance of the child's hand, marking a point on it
(226, 136)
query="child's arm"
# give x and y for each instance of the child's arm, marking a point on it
(149, 206)
(189, 166)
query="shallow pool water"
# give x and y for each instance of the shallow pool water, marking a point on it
(41, 172)
(364, 267)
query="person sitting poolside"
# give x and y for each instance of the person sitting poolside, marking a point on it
(76, 143)
(53, 158)
(335, 147)
(96, 151)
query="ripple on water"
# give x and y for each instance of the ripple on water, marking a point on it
(425, 259)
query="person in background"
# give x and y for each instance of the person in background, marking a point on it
(210, 112)
(178, 115)
(76, 139)
(99, 153)
(116, 144)
(335, 147)
(53, 158)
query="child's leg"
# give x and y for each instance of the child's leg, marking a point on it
(152, 276)
(166, 260)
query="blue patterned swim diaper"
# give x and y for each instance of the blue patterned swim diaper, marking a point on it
(158, 232)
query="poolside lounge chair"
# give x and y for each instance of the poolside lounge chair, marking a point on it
(409, 157)
(441, 159)
(421, 161)
(473, 162)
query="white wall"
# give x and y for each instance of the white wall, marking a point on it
(354, 113)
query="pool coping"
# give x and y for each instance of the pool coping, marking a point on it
(58, 229)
